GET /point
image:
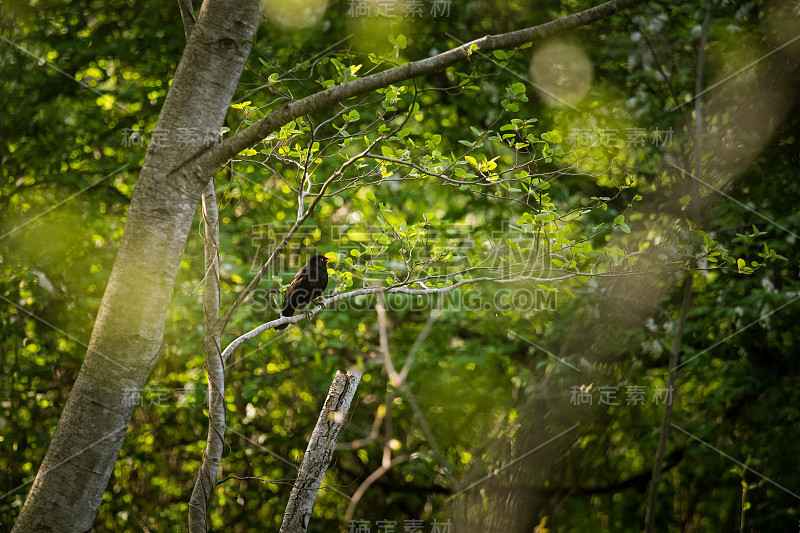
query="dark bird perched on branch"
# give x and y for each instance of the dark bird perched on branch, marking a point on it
(308, 284)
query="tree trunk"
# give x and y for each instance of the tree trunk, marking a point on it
(126, 341)
(215, 369)
(320, 451)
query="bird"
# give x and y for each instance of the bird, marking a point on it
(308, 284)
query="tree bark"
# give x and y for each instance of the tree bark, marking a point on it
(215, 370)
(319, 452)
(126, 341)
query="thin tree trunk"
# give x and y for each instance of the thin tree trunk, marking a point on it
(666, 419)
(319, 452)
(215, 370)
(127, 340)
(652, 497)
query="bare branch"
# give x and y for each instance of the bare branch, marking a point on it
(403, 288)
(415, 167)
(380, 415)
(187, 15)
(361, 292)
(372, 478)
(418, 343)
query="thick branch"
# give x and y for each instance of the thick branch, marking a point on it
(319, 452)
(216, 156)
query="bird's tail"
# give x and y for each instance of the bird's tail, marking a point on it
(285, 312)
